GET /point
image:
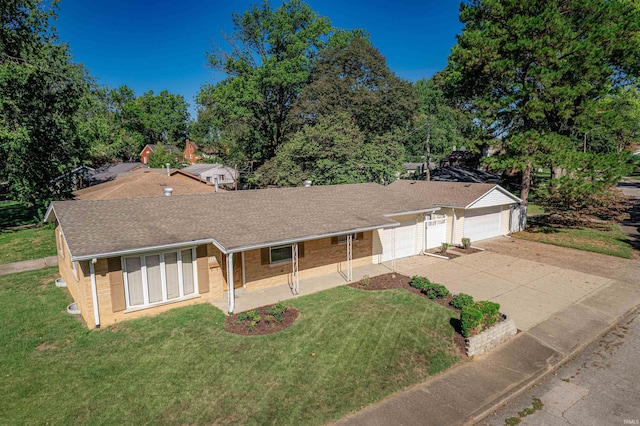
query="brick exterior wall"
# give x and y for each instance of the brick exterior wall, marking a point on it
(144, 156)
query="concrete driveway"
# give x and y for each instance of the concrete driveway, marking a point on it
(530, 291)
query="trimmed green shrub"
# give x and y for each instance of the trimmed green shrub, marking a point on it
(479, 316)
(466, 243)
(432, 290)
(419, 282)
(365, 281)
(490, 312)
(461, 300)
(443, 248)
(471, 320)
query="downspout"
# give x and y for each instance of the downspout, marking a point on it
(94, 291)
(453, 227)
(232, 296)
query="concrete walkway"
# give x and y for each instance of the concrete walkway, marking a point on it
(28, 265)
(578, 296)
(246, 300)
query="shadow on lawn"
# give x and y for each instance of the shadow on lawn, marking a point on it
(14, 214)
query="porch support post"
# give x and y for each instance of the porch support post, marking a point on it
(453, 227)
(350, 257)
(393, 249)
(294, 260)
(232, 295)
(244, 274)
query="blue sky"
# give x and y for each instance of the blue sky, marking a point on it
(157, 45)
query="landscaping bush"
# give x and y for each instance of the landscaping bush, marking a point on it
(365, 281)
(432, 290)
(490, 312)
(466, 243)
(461, 300)
(479, 316)
(443, 248)
(471, 320)
(419, 282)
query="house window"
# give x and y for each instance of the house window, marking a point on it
(280, 254)
(208, 178)
(342, 239)
(159, 278)
(221, 178)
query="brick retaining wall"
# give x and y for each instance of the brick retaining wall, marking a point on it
(489, 339)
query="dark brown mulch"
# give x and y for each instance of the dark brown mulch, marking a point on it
(470, 250)
(394, 280)
(233, 324)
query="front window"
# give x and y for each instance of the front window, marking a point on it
(159, 278)
(281, 254)
(342, 239)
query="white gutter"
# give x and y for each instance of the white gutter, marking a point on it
(148, 249)
(94, 292)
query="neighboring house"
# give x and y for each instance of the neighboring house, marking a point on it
(463, 174)
(126, 258)
(190, 152)
(413, 168)
(146, 183)
(79, 177)
(110, 171)
(212, 172)
(150, 148)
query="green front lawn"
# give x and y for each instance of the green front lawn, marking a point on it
(349, 348)
(608, 240)
(25, 244)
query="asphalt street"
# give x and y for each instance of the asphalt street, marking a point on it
(601, 386)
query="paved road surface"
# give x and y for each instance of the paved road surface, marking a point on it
(599, 387)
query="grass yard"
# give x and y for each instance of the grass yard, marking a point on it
(349, 348)
(25, 244)
(610, 240)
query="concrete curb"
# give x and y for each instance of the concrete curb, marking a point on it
(518, 388)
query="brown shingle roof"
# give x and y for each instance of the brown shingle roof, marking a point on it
(145, 183)
(451, 194)
(234, 219)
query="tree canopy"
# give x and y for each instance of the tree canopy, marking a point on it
(41, 93)
(533, 74)
(268, 62)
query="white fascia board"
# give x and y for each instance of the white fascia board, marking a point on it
(48, 213)
(149, 249)
(499, 188)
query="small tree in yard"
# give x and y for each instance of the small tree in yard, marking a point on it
(161, 156)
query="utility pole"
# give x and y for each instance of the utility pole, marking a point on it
(427, 156)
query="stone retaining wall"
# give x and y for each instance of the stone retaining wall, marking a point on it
(489, 339)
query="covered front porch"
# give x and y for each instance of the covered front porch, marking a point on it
(246, 300)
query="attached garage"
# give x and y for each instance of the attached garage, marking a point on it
(402, 244)
(483, 223)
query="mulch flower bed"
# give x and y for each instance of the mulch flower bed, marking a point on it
(470, 250)
(394, 280)
(268, 322)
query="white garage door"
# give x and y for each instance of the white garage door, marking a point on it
(405, 241)
(480, 224)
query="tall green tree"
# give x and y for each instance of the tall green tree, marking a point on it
(354, 77)
(448, 126)
(530, 72)
(268, 63)
(333, 150)
(41, 92)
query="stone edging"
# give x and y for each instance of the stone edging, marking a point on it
(490, 338)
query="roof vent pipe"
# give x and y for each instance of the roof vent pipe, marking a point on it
(215, 182)
(168, 169)
(307, 183)
(168, 192)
